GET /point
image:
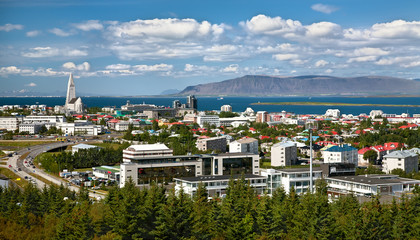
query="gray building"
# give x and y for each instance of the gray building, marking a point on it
(405, 160)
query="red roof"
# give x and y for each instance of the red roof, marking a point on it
(363, 150)
(264, 137)
(113, 121)
(251, 129)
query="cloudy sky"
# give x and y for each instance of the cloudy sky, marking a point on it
(144, 47)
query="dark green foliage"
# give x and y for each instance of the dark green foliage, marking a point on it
(131, 213)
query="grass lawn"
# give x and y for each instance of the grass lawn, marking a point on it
(108, 145)
(13, 176)
(18, 144)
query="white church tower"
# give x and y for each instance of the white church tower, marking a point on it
(71, 90)
(73, 104)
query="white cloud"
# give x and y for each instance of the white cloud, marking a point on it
(118, 67)
(60, 32)
(152, 68)
(321, 63)
(405, 62)
(324, 30)
(285, 57)
(85, 66)
(368, 51)
(284, 47)
(196, 68)
(233, 68)
(262, 24)
(396, 29)
(329, 71)
(362, 59)
(33, 33)
(9, 70)
(89, 25)
(30, 84)
(164, 29)
(9, 27)
(324, 8)
(44, 52)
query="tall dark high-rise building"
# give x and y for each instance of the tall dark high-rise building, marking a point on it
(192, 102)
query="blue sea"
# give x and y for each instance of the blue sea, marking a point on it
(239, 104)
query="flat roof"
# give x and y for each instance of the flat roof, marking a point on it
(84, 146)
(374, 179)
(148, 147)
(207, 178)
(298, 170)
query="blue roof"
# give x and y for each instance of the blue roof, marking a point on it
(344, 148)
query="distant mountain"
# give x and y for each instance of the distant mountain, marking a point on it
(170, 91)
(256, 85)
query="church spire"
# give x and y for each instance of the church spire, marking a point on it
(71, 90)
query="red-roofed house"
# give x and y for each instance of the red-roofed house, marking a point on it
(361, 161)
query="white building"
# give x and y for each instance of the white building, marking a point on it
(82, 146)
(283, 154)
(298, 178)
(375, 113)
(10, 123)
(107, 172)
(333, 113)
(136, 152)
(368, 185)
(210, 119)
(44, 119)
(73, 104)
(165, 168)
(31, 128)
(80, 127)
(244, 145)
(216, 185)
(340, 154)
(123, 125)
(405, 160)
(226, 108)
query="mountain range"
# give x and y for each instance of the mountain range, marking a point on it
(312, 85)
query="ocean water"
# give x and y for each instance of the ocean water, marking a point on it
(239, 104)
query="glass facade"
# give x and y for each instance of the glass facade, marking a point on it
(237, 165)
(207, 166)
(164, 174)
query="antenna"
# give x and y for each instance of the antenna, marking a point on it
(311, 182)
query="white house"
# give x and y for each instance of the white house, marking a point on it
(210, 119)
(405, 160)
(136, 152)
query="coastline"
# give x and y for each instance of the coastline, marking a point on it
(335, 104)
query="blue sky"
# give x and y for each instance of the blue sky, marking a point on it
(145, 47)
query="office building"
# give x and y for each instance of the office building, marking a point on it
(226, 108)
(137, 152)
(214, 143)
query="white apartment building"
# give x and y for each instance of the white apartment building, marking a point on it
(10, 123)
(226, 108)
(333, 113)
(123, 125)
(340, 154)
(216, 185)
(80, 127)
(405, 160)
(44, 119)
(298, 178)
(137, 152)
(31, 128)
(244, 145)
(210, 119)
(283, 154)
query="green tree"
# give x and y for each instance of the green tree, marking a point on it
(370, 155)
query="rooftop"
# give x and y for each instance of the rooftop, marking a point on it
(374, 179)
(207, 178)
(148, 147)
(400, 154)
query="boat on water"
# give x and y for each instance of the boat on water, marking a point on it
(220, 98)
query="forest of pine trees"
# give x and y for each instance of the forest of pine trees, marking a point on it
(131, 213)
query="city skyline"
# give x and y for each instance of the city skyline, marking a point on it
(144, 48)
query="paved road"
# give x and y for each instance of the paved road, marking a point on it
(26, 168)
